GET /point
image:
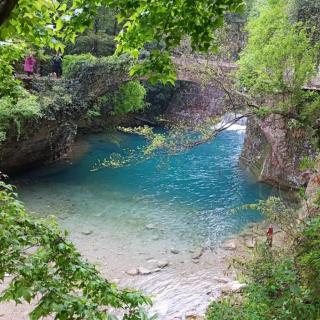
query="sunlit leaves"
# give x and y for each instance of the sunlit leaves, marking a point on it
(176, 139)
(154, 22)
(278, 59)
(164, 24)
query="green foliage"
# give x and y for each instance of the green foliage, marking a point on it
(307, 12)
(129, 97)
(281, 283)
(78, 65)
(308, 163)
(100, 40)
(9, 54)
(278, 61)
(165, 23)
(42, 264)
(310, 113)
(2, 136)
(93, 112)
(262, 111)
(308, 259)
(278, 58)
(16, 110)
(176, 139)
(69, 62)
(96, 43)
(157, 66)
(47, 23)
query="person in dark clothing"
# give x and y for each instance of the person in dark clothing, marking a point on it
(57, 64)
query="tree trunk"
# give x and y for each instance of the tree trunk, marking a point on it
(6, 7)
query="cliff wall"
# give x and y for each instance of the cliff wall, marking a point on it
(273, 151)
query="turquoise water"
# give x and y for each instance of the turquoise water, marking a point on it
(184, 199)
(127, 218)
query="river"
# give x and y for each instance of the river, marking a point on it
(162, 210)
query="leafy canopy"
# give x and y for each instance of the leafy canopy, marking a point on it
(278, 57)
(161, 23)
(277, 63)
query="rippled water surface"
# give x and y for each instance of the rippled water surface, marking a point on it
(127, 217)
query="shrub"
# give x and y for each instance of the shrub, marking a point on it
(76, 66)
(281, 283)
(129, 97)
(17, 109)
(70, 61)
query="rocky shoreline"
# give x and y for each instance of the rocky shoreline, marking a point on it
(155, 276)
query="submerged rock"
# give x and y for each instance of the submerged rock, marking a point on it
(174, 251)
(191, 315)
(132, 272)
(151, 226)
(221, 280)
(145, 271)
(87, 232)
(229, 245)
(197, 253)
(162, 264)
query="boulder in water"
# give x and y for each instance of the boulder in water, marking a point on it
(221, 280)
(191, 315)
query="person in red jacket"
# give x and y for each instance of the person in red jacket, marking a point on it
(270, 235)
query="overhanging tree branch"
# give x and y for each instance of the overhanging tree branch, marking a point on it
(6, 7)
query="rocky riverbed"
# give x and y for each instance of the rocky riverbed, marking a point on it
(181, 283)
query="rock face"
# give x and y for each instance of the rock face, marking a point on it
(312, 206)
(187, 101)
(48, 142)
(44, 138)
(273, 152)
(65, 112)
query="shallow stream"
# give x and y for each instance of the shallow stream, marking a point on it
(163, 209)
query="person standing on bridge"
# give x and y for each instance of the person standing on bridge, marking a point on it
(57, 65)
(29, 64)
